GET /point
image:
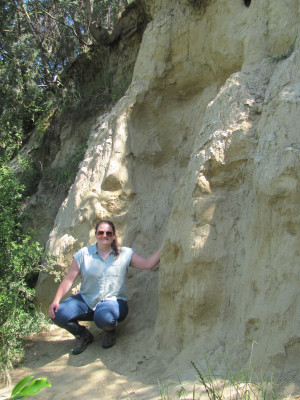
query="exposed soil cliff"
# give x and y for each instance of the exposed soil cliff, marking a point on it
(201, 156)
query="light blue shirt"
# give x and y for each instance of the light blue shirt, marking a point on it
(102, 279)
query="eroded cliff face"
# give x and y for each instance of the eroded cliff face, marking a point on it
(201, 156)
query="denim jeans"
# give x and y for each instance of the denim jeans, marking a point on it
(106, 315)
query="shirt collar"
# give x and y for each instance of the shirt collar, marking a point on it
(95, 250)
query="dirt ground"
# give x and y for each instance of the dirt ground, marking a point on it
(127, 371)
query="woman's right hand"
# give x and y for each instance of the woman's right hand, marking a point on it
(64, 287)
(53, 309)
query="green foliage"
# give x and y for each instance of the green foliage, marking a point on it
(22, 99)
(63, 176)
(53, 269)
(28, 387)
(29, 175)
(199, 4)
(38, 40)
(19, 259)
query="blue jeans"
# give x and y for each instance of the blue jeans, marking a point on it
(106, 315)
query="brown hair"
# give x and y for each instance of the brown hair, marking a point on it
(115, 245)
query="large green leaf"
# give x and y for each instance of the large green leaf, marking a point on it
(28, 387)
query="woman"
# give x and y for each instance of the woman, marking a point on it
(102, 295)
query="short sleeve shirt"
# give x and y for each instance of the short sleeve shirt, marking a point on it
(102, 279)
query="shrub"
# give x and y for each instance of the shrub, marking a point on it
(19, 258)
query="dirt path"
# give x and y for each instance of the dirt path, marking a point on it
(126, 371)
(130, 370)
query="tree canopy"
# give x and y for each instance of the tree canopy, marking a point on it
(37, 40)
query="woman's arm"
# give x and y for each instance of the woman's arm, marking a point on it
(64, 287)
(140, 262)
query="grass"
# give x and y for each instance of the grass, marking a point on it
(64, 175)
(231, 383)
(234, 385)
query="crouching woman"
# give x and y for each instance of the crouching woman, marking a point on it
(102, 297)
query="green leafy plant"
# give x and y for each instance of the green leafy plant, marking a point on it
(29, 175)
(20, 258)
(28, 387)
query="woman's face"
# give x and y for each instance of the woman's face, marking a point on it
(104, 234)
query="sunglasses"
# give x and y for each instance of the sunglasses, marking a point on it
(101, 233)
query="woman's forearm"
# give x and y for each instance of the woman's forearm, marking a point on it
(63, 289)
(154, 259)
(139, 262)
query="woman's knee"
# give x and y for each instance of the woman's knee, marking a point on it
(62, 315)
(105, 320)
(123, 310)
(109, 313)
(67, 310)
(106, 315)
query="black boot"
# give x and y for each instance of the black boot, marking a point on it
(109, 339)
(82, 342)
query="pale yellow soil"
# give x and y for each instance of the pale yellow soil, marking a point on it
(126, 371)
(131, 370)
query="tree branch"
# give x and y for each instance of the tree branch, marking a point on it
(81, 39)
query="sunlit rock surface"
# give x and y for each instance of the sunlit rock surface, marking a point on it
(201, 157)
